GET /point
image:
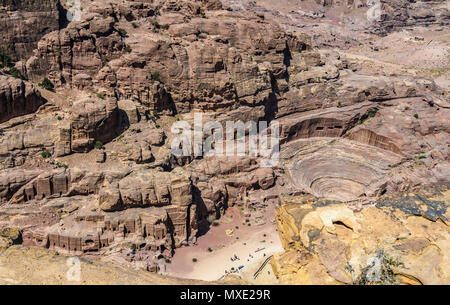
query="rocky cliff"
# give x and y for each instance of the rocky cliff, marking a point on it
(402, 239)
(17, 98)
(86, 166)
(23, 23)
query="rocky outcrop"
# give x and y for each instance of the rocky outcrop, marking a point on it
(154, 208)
(23, 23)
(93, 120)
(224, 181)
(180, 62)
(92, 170)
(147, 189)
(88, 121)
(399, 13)
(11, 181)
(17, 98)
(394, 14)
(402, 239)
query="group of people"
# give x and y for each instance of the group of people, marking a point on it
(234, 270)
(235, 258)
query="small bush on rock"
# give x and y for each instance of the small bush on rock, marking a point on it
(46, 154)
(46, 84)
(98, 145)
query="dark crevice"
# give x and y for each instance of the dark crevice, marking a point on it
(63, 21)
(340, 223)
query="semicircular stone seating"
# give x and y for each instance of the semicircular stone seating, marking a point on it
(337, 169)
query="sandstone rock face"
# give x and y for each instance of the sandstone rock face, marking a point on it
(130, 111)
(93, 120)
(17, 98)
(155, 208)
(178, 61)
(399, 13)
(45, 185)
(91, 171)
(147, 189)
(207, 63)
(23, 23)
(12, 181)
(77, 129)
(328, 242)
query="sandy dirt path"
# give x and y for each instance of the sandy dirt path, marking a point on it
(244, 243)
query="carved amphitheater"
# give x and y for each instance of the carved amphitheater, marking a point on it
(86, 109)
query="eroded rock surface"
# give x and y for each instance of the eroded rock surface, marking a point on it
(87, 168)
(17, 98)
(23, 23)
(403, 238)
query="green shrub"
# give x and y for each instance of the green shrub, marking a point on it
(416, 116)
(59, 118)
(135, 25)
(61, 165)
(4, 60)
(168, 261)
(127, 48)
(122, 32)
(15, 73)
(210, 250)
(98, 145)
(133, 247)
(101, 96)
(46, 84)
(156, 25)
(387, 274)
(156, 76)
(46, 154)
(194, 260)
(369, 115)
(372, 113)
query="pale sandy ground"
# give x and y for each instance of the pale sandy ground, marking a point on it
(211, 266)
(419, 51)
(38, 266)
